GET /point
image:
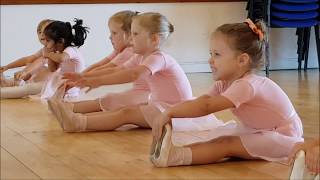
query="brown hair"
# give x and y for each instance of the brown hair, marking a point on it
(125, 18)
(245, 40)
(155, 23)
(42, 23)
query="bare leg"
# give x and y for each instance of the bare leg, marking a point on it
(21, 91)
(87, 106)
(217, 149)
(166, 154)
(115, 119)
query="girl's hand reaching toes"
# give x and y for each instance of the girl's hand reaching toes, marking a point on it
(25, 76)
(158, 125)
(313, 159)
(18, 75)
(77, 80)
(312, 154)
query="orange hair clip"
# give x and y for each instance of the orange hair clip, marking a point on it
(254, 28)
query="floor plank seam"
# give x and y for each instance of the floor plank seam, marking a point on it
(21, 162)
(52, 156)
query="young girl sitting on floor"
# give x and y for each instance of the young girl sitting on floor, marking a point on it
(30, 80)
(269, 125)
(167, 81)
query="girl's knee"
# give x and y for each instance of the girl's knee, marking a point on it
(231, 144)
(236, 148)
(129, 112)
(133, 115)
(226, 140)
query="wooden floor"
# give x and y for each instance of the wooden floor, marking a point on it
(34, 147)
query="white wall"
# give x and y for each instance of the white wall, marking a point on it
(189, 44)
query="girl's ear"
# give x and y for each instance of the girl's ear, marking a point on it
(155, 38)
(244, 59)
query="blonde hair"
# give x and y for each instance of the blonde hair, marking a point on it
(43, 23)
(155, 23)
(125, 18)
(245, 40)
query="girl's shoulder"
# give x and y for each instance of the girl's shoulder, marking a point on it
(257, 82)
(73, 52)
(161, 55)
(253, 78)
(72, 49)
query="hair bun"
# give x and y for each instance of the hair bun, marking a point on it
(78, 22)
(171, 28)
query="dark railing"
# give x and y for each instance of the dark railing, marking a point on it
(25, 2)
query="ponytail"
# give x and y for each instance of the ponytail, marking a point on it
(60, 31)
(79, 32)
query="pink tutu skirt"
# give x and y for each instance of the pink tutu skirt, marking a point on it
(269, 144)
(53, 83)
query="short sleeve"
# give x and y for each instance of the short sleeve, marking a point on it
(154, 63)
(239, 92)
(71, 52)
(132, 62)
(217, 88)
(109, 57)
(122, 57)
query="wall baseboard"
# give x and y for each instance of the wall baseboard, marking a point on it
(200, 67)
(203, 66)
(193, 67)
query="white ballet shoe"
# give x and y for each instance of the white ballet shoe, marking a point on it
(162, 148)
(71, 122)
(299, 170)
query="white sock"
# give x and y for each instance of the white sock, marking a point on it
(81, 121)
(180, 156)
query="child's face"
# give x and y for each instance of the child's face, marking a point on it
(141, 39)
(49, 43)
(52, 46)
(223, 61)
(119, 38)
(41, 34)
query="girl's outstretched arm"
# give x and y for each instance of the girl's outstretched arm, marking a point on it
(33, 67)
(20, 62)
(30, 69)
(72, 76)
(118, 77)
(104, 66)
(102, 71)
(100, 64)
(201, 106)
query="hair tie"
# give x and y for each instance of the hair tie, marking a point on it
(73, 32)
(254, 28)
